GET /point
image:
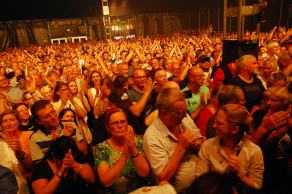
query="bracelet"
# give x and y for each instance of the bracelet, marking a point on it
(136, 155)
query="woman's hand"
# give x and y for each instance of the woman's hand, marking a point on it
(68, 161)
(130, 141)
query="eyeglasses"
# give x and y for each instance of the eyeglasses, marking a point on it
(179, 114)
(117, 123)
(219, 123)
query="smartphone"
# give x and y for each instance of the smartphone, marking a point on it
(69, 124)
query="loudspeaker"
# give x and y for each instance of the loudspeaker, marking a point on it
(233, 49)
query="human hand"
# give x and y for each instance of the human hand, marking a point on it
(149, 85)
(233, 164)
(275, 120)
(14, 144)
(68, 161)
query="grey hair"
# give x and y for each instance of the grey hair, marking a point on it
(243, 60)
(167, 97)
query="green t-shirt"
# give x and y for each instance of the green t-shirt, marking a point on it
(194, 102)
(129, 179)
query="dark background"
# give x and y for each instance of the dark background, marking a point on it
(50, 9)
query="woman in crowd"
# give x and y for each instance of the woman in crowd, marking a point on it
(70, 127)
(47, 93)
(26, 122)
(277, 79)
(14, 148)
(120, 161)
(230, 151)
(273, 124)
(93, 93)
(226, 95)
(63, 98)
(76, 93)
(269, 67)
(63, 170)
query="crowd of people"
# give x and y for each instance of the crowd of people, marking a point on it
(112, 117)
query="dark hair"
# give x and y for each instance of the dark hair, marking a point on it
(23, 95)
(15, 106)
(61, 146)
(61, 114)
(211, 183)
(59, 84)
(110, 112)
(37, 106)
(89, 79)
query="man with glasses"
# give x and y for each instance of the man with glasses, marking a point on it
(140, 95)
(171, 141)
(197, 92)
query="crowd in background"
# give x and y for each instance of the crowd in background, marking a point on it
(112, 117)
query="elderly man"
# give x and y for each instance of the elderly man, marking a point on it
(247, 80)
(171, 141)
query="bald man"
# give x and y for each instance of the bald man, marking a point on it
(197, 98)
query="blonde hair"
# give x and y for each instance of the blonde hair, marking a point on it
(281, 93)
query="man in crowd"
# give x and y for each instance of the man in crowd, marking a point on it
(251, 86)
(140, 94)
(46, 131)
(196, 91)
(170, 143)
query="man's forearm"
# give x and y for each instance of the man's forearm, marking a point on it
(172, 164)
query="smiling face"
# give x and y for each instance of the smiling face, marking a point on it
(9, 123)
(73, 87)
(48, 117)
(68, 116)
(274, 103)
(23, 112)
(222, 126)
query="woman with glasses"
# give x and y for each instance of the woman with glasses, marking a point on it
(120, 162)
(63, 98)
(230, 151)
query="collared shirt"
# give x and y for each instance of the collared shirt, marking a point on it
(213, 158)
(159, 144)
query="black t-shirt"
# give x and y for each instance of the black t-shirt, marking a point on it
(30, 127)
(70, 184)
(253, 92)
